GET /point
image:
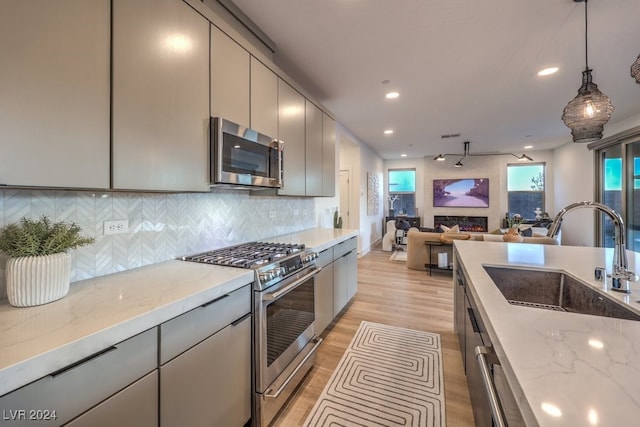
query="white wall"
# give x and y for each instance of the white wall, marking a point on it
(360, 159)
(492, 167)
(574, 167)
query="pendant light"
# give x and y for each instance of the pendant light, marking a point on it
(635, 70)
(590, 110)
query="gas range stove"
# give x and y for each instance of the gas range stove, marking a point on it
(272, 262)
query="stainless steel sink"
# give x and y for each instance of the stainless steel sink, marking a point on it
(554, 290)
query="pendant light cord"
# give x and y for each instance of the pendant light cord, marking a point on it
(586, 32)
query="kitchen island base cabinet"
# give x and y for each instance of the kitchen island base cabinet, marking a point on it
(472, 333)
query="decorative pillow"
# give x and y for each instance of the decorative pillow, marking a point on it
(454, 229)
(525, 230)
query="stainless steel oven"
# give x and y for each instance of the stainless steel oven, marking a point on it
(243, 157)
(284, 338)
(285, 341)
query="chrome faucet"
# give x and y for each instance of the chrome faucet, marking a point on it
(620, 274)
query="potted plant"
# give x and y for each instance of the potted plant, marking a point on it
(38, 270)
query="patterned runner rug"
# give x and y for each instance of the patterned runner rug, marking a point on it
(388, 376)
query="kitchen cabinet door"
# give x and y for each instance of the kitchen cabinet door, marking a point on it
(291, 131)
(160, 96)
(324, 298)
(313, 149)
(136, 405)
(328, 156)
(210, 384)
(264, 99)
(54, 93)
(230, 79)
(340, 293)
(352, 274)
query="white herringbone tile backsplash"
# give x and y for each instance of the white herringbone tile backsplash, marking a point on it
(161, 226)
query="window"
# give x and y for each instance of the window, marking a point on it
(525, 189)
(402, 192)
(619, 189)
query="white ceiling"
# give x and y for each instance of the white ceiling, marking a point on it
(461, 66)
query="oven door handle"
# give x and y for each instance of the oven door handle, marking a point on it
(286, 382)
(277, 294)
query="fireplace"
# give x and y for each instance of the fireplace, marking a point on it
(466, 223)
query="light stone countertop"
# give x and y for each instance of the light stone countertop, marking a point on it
(106, 310)
(565, 369)
(317, 239)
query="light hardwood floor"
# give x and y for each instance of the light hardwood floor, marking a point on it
(390, 293)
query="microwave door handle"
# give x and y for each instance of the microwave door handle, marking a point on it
(277, 294)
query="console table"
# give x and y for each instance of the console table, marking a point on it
(431, 266)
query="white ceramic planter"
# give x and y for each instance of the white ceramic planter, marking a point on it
(37, 280)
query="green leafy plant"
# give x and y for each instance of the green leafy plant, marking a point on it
(40, 237)
(515, 221)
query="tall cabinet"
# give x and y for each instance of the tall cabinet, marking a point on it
(264, 99)
(291, 127)
(160, 96)
(230, 74)
(54, 90)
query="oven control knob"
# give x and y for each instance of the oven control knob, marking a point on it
(266, 276)
(279, 271)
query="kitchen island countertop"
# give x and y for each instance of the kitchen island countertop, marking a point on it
(103, 311)
(565, 369)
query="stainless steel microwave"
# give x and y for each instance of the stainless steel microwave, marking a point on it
(242, 157)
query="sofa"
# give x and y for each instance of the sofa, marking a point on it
(417, 255)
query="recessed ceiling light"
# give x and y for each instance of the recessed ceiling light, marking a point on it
(528, 147)
(388, 131)
(548, 71)
(392, 95)
(403, 155)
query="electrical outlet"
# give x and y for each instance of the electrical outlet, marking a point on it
(296, 212)
(272, 214)
(117, 226)
(304, 211)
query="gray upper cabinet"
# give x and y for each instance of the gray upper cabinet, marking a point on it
(328, 156)
(160, 96)
(230, 74)
(55, 93)
(291, 131)
(264, 99)
(313, 147)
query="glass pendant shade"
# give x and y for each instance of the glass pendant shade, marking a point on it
(635, 70)
(588, 112)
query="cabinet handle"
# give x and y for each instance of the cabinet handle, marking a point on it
(207, 304)
(240, 320)
(485, 371)
(474, 321)
(84, 361)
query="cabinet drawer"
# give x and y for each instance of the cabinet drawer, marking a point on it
(136, 405)
(74, 389)
(325, 258)
(185, 331)
(210, 384)
(343, 247)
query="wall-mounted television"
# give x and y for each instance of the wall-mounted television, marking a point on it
(461, 193)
